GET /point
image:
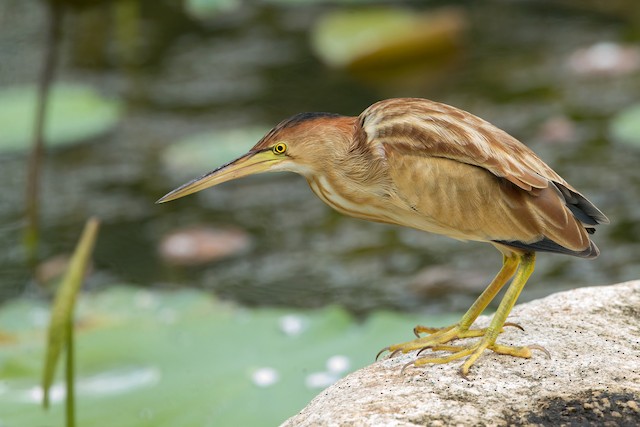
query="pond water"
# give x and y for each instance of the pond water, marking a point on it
(253, 67)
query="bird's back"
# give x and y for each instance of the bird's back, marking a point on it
(453, 173)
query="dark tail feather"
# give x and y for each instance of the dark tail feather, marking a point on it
(548, 245)
(581, 208)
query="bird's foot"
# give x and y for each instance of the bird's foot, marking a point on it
(467, 333)
(474, 351)
(439, 337)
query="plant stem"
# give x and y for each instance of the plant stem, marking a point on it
(31, 236)
(70, 400)
(60, 334)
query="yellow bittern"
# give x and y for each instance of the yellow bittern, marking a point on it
(433, 167)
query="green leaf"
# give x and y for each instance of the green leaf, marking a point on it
(76, 113)
(149, 358)
(365, 39)
(63, 305)
(206, 9)
(309, 2)
(625, 126)
(200, 153)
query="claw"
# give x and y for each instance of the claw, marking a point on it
(515, 325)
(381, 351)
(463, 373)
(423, 349)
(441, 347)
(405, 366)
(540, 348)
(393, 353)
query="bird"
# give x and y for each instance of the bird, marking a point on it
(430, 166)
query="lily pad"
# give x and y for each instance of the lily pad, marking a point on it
(309, 2)
(76, 113)
(201, 153)
(625, 126)
(146, 358)
(362, 39)
(206, 9)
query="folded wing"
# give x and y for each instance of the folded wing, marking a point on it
(451, 154)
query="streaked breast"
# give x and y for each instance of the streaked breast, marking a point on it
(359, 206)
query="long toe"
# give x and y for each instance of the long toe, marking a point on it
(436, 337)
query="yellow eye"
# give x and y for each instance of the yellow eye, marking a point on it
(280, 148)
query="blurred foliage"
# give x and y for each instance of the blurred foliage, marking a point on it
(204, 9)
(373, 38)
(625, 126)
(79, 4)
(183, 358)
(77, 113)
(197, 154)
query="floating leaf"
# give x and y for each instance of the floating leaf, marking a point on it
(146, 358)
(76, 113)
(309, 2)
(370, 38)
(201, 153)
(63, 305)
(625, 126)
(206, 9)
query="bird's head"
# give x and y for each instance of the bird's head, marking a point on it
(306, 144)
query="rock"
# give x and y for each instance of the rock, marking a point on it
(593, 376)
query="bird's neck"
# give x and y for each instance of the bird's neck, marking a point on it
(351, 178)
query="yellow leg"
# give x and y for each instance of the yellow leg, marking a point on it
(509, 266)
(461, 329)
(527, 263)
(523, 266)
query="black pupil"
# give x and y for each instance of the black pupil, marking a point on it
(279, 148)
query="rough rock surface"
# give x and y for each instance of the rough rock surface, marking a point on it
(592, 378)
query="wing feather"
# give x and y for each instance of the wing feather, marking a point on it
(415, 125)
(440, 130)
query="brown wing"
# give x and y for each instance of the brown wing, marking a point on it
(421, 128)
(440, 130)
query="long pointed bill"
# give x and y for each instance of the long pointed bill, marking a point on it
(250, 164)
